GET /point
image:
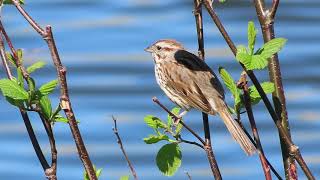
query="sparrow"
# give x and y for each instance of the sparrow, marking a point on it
(190, 83)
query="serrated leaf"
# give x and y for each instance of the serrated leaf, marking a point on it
(230, 83)
(243, 57)
(11, 88)
(272, 47)
(35, 66)
(268, 87)
(154, 122)
(124, 177)
(175, 111)
(10, 2)
(45, 105)
(242, 49)
(169, 159)
(252, 33)
(48, 87)
(154, 139)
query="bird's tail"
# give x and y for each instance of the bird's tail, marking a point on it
(236, 131)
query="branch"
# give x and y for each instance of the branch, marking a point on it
(180, 139)
(274, 8)
(154, 99)
(116, 132)
(64, 96)
(208, 147)
(242, 84)
(293, 149)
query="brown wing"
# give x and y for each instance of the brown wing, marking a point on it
(194, 81)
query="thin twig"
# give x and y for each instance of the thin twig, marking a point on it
(25, 118)
(274, 8)
(64, 96)
(208, 146)
(154, 99)
(293, 149)
(189, 176)
(116, 132)
(180, 139)
(242, 84)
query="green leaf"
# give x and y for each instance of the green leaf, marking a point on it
(10, 2)
(124, 177)
(230, 83)
(268, 87)
(15, 102)
(98, 172)
(48, 87)
(35, 66)
(252, 33)
(169, 159)
(11, 58)
(175, 111)
(11, 88)
(31, 85)
(154, 139)
(45, 105)
(272, 47)
(178, 129)
(59, 118)
(154, 122)
(20, 54)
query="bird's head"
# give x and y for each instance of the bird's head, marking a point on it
(164, 49)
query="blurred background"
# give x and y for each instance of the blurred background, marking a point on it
(101, 42)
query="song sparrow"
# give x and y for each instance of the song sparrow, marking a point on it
(190, 83)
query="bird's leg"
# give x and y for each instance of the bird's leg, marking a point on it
(179, 117)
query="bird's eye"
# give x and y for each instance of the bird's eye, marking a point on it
(158, 48)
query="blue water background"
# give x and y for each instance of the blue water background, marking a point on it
(101, 42)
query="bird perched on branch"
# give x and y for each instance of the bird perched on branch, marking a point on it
(190, 83)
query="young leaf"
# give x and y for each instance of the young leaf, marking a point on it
(11, 58)
(11, 88)
(15, 102)
(35, 66)
(124, 177)
(230, 83)
(98, 172)
(48, 88)
(169, 159)
(20, 54)
(252, 33)
(154, 139)
(268, 87)
(272, 47)
(175, 111)
(243, 57)
(45, 105)
(154, 122)
(10, 2)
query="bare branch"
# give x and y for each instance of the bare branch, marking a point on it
(116, 132)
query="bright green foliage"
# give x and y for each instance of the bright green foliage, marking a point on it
(124, 177)
(169, 156)
(237, 94)
(252, 33)
(20, 77)
(259, 59)
(154, 138)
(11, 89)
(59, 118)
(36, 66)
(175, 111)
(10, 58)
(98, 173)
(222, 1)
(10, 2)
(45, 106)
(231, 85)
(268, 87)
(48, 87)
(169, 159)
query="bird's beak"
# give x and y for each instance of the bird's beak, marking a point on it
(149, 49)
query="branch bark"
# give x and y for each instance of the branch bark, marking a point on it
(266, 19)
(116, 132)
(247, 103)
(292, 148)
(208, 146)
(65, 102)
